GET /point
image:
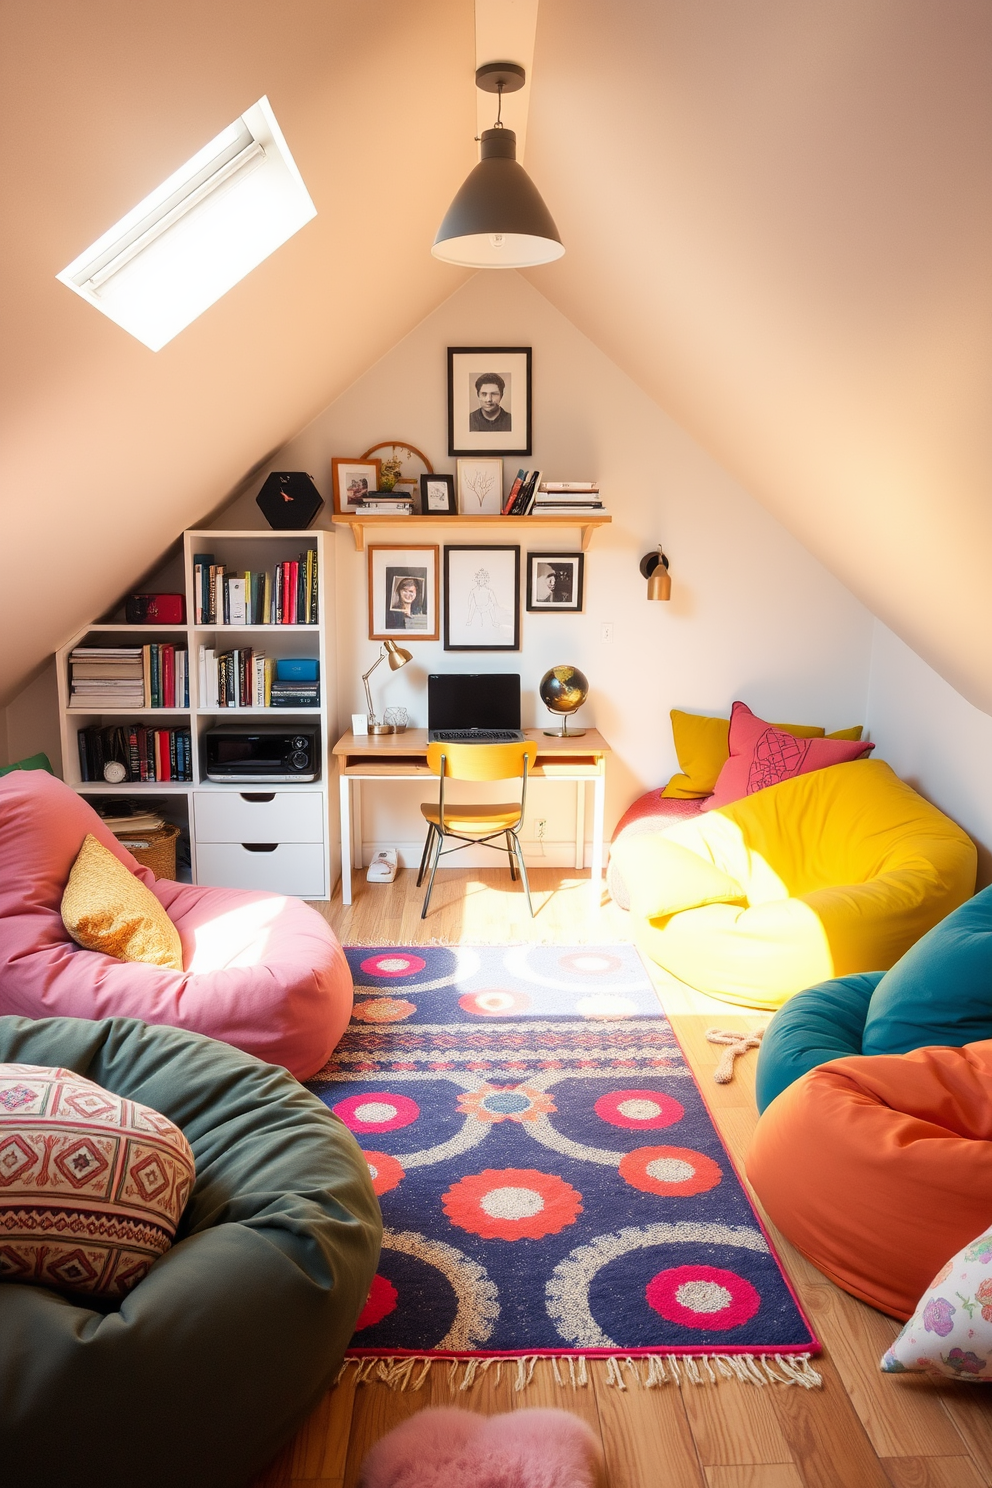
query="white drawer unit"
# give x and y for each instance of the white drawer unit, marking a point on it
(293, 868)
(259, 815)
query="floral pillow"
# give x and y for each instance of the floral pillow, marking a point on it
(950, 1333)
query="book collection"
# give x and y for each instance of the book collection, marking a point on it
(529, 496)
(144, 754)
(244, 678)
(284, 595)
(392, 503)
(152, 676)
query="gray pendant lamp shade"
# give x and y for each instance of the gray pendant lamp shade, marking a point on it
(498, 220)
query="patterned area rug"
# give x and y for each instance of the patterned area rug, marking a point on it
(550, 1179)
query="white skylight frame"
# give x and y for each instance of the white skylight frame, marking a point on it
(198, 234)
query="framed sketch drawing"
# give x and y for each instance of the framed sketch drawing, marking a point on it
(481, 599)
(403, 589)
(480, 487)
(353, 480)
(554, 581)
(437, 496)
(489, 400)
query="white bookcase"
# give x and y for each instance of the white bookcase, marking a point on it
(274, 837)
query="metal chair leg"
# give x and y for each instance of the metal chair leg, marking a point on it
(523, 871)
(509, 854)
(437, 855)
(427, 848)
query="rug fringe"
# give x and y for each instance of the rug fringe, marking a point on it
(570, 1371)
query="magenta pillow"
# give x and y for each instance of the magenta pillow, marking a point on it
(762, 755)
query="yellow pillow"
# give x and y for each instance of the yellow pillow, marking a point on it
(105, 908)
(662, 877)
(703, 747)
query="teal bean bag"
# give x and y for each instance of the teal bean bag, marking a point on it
(938, 993)
(200, 1374)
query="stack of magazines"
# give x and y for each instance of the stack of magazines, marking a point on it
(561, 498)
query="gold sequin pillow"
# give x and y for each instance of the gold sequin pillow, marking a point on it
(91, 1186)
(105, 908)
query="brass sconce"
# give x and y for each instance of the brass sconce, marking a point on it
(654, 567)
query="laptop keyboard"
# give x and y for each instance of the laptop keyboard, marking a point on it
(475, 736)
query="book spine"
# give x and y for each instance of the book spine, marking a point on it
(314, 603)
(133, 758)
(173, 754)
(270, 672)
(168, 676)
(268, 601)
(514, 492)
(84, 763)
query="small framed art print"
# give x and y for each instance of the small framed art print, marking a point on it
(489, 400)
(353, 480)
(480, 487)
(554, 581)
(481, 599)
(437, 496)
(403, 588)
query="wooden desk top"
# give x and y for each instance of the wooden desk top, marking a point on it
(383, 747)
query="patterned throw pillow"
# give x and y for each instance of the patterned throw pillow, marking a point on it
(762, 755)
(950, 1333)
(91, 1185)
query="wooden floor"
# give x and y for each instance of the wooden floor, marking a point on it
(863, 1429)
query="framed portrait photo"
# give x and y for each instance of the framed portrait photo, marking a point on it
(403, 593)
(554, 581)
(489, 400)
(353, 480)
(481, 599)
(480, 487)
(437, 496)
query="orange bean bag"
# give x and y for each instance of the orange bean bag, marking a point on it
(879, 1168)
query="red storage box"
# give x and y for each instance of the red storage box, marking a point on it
(155, 609)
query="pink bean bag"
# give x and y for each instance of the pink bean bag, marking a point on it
(263, 972)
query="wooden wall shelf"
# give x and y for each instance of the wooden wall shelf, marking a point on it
(359, 523)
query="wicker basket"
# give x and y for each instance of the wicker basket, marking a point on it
(155, 850)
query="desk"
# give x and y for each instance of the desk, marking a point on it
(404, 757)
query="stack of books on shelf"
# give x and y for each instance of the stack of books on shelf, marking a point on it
(390, 503)
(285, 596)
(561, 498)
(127, 816)
(146, 754)
(522, 493)
(292, 693)
(111, 677)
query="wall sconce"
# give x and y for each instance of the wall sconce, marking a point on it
(654, 567)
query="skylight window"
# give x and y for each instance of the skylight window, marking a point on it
(213, 221)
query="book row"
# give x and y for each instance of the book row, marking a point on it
(245, 678)
(132, 753)
(284, 595)
(151, 676)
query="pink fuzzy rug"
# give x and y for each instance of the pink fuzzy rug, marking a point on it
(458, 1449)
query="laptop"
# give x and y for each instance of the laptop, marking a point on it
(473, 708)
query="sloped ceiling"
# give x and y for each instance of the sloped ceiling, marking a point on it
(777, 218)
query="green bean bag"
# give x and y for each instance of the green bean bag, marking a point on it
(938, 994)
(198, 1376)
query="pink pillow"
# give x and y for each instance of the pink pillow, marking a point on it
(762, 755)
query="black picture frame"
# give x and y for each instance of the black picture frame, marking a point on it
(512, 375)
(479, 612)
(555, 582)
(450, 508)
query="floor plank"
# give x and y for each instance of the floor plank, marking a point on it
(770, 1475)
(932, 1472)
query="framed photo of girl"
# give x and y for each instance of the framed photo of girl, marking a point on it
(554, 581)
(403, 592)
(489, 400)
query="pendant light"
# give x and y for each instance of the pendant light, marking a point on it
(498, 219)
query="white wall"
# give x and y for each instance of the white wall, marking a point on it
(752, 614)
(932, 737)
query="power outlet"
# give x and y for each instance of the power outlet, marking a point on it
(540, 827)
(607, 632)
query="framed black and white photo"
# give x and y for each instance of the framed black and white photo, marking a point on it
(480, 487)
(481, 599)
(554, 581)
(489, 400)
(403, 587)
(437, 496)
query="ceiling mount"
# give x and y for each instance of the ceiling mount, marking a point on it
(495, 77)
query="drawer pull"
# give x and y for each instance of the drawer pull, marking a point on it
(259, 846)
(260, 796)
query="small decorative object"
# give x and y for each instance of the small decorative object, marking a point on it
(403, 584)
(654, 567)
(437, 496)
(489, 400)
(114, 772)
(155, 609)
(397, 658)
(554, 581)
(400, 466)
(353, 480)
(480, 488)
(359, 725)
(736, 1043)
(397, 719)
(563, 690)
(289, 500)
(481, 599)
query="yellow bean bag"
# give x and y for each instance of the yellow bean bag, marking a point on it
(834, 872)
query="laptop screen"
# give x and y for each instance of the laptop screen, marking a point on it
(464, 700)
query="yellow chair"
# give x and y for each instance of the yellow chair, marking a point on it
(476, 825)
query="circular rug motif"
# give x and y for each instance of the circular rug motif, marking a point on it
(669, 1170)
(385, 1171)
(379, 1111)
(383, 1010)
(494, 1002)
(393, 964)
(702, 1297)
(512, 1204)
(639, 1110)
(590, 963)
(506, 1103)
(380, 1302)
